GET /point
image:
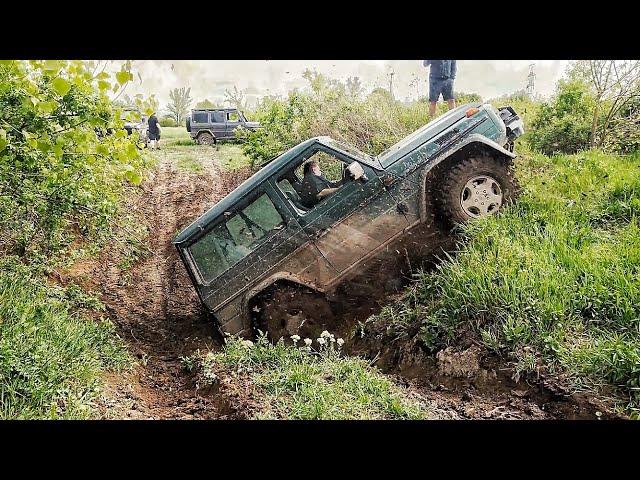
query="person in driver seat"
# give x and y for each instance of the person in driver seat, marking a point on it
(315, 187)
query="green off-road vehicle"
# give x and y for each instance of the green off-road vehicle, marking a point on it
(250, 253)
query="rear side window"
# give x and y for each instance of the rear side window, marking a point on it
(200, 117)
(232, 240)
(217, 117)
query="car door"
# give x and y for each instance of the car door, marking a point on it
(218, 124)
(354, 221)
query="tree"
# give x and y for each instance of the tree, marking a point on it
(615, 84)
(180, 100)
(354, 87)
(206, 103)
(235, 98)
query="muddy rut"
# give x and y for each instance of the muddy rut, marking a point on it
(155, 308)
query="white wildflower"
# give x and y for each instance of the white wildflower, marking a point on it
(295, 338)
(321, 341)
(247, 343)
(325, 334)
(340, 342)
(308, 342)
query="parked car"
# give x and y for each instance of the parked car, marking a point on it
(262, 238)
(208, 125)
(134, 121)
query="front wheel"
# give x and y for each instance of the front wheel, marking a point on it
(477, 187)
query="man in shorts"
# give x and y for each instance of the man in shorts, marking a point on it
(442, 73)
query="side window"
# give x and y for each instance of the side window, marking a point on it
(235, 238)
(330, 166)
(217, 117)
(200, 117)
(233, 117)
(308, 191)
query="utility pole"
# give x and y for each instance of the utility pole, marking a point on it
(391, 74)
(531, 81)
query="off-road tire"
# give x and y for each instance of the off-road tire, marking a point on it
(289, 310)
(453, 182)
(205, 138)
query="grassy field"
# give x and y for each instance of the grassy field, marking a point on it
(553, 282)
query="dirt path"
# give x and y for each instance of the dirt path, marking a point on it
(155, 307)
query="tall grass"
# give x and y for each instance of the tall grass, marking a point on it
(553, 281)
(293, 383)
(51, 358)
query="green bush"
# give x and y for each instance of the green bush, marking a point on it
(563, 125)
(168, 122)
(331, 108)
(64, 156)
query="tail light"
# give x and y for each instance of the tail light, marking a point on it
(472, 111)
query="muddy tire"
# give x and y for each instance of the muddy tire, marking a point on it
(205, 138)
(476, 187)
(288, 311)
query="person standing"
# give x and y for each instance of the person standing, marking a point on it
(442, 73)
(154, 132)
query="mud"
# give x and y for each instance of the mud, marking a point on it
(155, 308)
(473, 383)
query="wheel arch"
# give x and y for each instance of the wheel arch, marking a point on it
(474, 145)
(206, 130)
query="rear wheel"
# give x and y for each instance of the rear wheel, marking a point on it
(288, 310)
(477, 187)
(205, 138)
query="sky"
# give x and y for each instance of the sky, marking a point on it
(209, 78)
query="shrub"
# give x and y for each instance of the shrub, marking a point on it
(168, 122)
(563, 125)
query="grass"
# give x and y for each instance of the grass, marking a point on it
(293, 383)
(553, 281)
(174, 133)
(51, 359)
(231, 157)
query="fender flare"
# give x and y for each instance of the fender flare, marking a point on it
(267, 282)
(207, 131)
(474, 139)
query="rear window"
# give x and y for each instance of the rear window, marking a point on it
(200, 117)
(232, 240)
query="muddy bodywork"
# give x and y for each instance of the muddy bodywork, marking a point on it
(332, 242)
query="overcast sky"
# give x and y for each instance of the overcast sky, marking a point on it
(210, 78)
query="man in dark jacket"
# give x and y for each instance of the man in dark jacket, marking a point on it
(315, 187)
(154, 131)
(442, 73)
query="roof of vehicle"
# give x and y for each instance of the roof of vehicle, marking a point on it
(248, 186)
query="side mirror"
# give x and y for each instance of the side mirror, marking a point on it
(356, 171)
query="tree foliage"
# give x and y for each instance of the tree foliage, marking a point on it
(63, 153)
(179, 103)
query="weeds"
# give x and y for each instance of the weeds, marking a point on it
(554, 277)
(302, 382)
